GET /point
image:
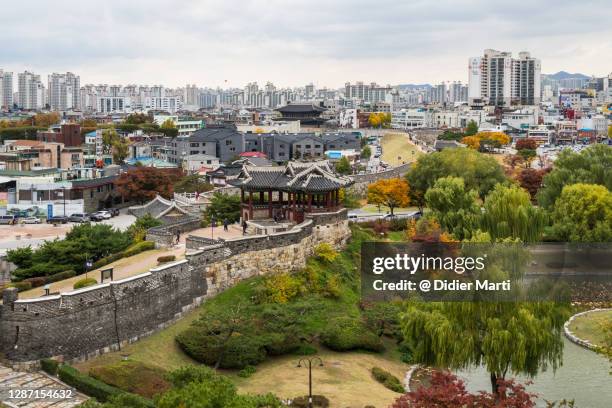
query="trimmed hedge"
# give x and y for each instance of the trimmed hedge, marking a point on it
(86, 384)
(37, 281)
(49, 366)
(60, 276)
(387, 379)
(346, 334)
(166, 258)
(317, 401)
(138, 248)
(21, 286)
(85, 282)
(247, 371)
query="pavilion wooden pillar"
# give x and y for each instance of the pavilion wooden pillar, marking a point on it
(309, 202)
(270, 203)
(280, 197)
(250, 205)
(261, 197)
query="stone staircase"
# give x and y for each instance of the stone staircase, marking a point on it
(19, 380)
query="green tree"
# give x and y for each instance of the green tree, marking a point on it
(504, 337)
(109, 138)
(479, 172)
(120, 150)
(366, 152)
(583, 213)
(454, 206)
(471, 129)
(168, 128)
(224, 206)
(343, 166)
(508, 213)
(593, 165)
(193, 183)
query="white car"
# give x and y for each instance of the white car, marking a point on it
(30, 220)
(103, 214)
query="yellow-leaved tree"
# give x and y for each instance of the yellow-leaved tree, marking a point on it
(392, 193)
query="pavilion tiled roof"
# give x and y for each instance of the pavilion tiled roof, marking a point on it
(295, 176)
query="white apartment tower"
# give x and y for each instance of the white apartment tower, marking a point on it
(64, 91)
(30, 91)
(498, 79)
(6, 90)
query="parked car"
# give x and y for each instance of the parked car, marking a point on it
(100, 215)
(79, 217)
(113, 211)
(57, 220)
(30, 220)
(7, 219)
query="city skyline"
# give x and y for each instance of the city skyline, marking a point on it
(292, 45)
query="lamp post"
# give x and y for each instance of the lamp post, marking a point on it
(308, 361)
(88, 265)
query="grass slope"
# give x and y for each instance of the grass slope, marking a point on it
(398, 149)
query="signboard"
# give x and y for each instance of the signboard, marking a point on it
(106, 274)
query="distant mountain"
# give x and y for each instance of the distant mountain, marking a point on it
(566, 75)
(413, 86)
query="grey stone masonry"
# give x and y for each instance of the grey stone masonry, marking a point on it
(87, 322)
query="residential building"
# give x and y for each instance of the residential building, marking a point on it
(6, 90)
(30, 91)
(64, 92)
(69, 134)
(497, 79)
(185, 126)
(366, 92)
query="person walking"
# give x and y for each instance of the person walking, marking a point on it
(244, 227)
(178, 237)
(225, 224)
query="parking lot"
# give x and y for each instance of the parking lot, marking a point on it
(23, 235)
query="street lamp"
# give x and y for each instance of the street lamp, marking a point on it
(88, 265)
(308, 364)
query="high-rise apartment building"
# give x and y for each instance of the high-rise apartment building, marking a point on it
(64, 91)
(6, 90)
(366, 93)
(498, 79)
(30, 91)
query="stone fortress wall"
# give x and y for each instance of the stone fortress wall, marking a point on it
(361, 181)
(90, 321)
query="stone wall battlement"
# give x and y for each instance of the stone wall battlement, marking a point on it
(85, 323)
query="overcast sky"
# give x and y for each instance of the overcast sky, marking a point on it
(291, 43)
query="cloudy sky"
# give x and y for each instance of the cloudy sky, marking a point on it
(294, 42)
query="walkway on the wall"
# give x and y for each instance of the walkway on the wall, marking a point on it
(17, 380)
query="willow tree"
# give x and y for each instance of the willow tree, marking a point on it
(508, 213)
(454, 206)
(504, 337)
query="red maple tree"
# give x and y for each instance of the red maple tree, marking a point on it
(144, 183)
(448, 391)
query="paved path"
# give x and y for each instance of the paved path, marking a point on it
(17, 380)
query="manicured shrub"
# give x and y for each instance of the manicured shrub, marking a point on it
(345, 334)
(166, 258)
(240, 350)
(132, 376)
(49, 366)
(60, 276)
(86, 384)
(85, 282)
(278, 288)
(319, 401)
(247, 371)
(387, 379)
(138, 248)
(21, 286)
(37, 281)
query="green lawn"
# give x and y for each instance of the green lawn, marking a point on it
(590, 326)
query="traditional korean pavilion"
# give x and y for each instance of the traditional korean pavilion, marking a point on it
(289, 192)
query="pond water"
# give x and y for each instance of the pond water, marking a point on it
(584, 377)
